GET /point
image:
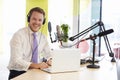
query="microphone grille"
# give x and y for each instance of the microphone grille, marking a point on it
(49, 27)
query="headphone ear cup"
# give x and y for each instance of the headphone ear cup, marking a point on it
(28, 18)
(44, 21)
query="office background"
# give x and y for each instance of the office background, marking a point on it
(79, 14)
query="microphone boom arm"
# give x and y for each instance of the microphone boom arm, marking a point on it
(102, 28)
(99, 23)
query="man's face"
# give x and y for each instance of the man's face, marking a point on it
(36, 21)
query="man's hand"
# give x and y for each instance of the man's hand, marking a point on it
(49, 62)
(43, 65)
(39, 65)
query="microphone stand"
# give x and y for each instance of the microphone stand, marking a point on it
(52, 41)
(93, 59)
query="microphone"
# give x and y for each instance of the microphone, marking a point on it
(58, 33)
(100, 34)
(49, 27)
(105, 32)
(50, 30)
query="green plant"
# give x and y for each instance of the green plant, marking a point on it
(65, 29)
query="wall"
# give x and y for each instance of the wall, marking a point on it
(12, 18)
(1, 29)
(60, 11)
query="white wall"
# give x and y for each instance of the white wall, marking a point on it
(60, 11)
(13, 18)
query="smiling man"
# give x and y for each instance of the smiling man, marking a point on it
(29, 47)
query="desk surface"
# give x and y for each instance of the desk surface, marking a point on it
(107, 71)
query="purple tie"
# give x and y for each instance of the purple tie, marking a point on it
(35, 49)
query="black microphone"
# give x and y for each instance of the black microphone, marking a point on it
(105, 32)
(50, 30)
(100, 34)
(49, 27)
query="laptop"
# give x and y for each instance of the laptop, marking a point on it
(64, 60)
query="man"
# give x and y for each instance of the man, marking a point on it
(23, 48)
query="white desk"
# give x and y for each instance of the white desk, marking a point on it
(107, 71)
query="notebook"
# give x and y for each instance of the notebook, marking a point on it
(64, 60)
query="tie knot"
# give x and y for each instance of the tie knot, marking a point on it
(34, 35)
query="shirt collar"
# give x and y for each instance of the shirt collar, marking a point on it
(31, 32)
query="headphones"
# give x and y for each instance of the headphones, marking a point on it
(37, 9)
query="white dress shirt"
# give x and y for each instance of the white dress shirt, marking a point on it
(21, 49)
